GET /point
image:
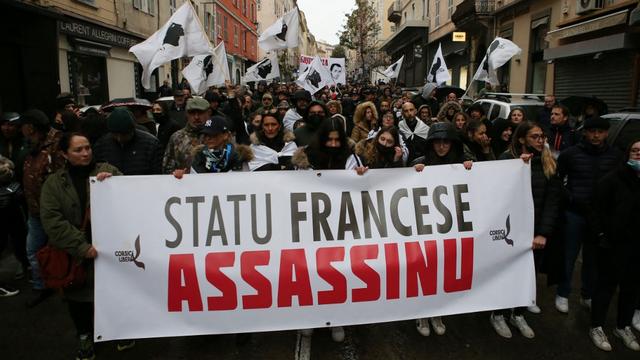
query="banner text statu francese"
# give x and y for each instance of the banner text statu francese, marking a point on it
(292, 276)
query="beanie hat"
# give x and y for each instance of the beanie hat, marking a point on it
(120, 121)
(596, 123)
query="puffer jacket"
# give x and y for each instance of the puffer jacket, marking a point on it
(61, 216)
(584, 165)
(140, 156)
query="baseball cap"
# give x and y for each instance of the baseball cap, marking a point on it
(215, 125)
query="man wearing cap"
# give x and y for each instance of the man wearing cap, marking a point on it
(178, 154)
(43, 159)
(177, 110)
(582, 166)
(217, 154)
(301, 100)
(131, 150)
(12, 143)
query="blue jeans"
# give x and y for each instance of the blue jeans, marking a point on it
(36, 239)
(576, 235)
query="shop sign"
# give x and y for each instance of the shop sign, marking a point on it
(459, 36)
(96, 33)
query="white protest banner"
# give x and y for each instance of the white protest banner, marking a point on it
(336, 66)
(278, 250)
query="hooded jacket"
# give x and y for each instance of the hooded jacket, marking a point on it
(140, 156)
(442, 114)
(442, 131)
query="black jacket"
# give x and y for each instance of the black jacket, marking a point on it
(140, 156)
(546, 197)
(617, 205)
(584, 165)
(562, 137)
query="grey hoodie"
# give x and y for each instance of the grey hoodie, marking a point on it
(427, 90)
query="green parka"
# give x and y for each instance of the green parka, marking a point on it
(61, 216)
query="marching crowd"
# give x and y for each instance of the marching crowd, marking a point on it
(586, 193)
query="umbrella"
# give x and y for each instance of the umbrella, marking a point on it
(577, 104)
(126, 102)
(443, 91)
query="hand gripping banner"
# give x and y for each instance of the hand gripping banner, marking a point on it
(251, 252)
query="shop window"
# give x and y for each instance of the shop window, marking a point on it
(88, 78)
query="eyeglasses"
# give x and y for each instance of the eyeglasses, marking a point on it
(537, 137)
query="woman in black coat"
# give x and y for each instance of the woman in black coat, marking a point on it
(617, 204)
(528, 143)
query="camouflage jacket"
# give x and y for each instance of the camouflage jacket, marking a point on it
(179, 152)
(39, 164)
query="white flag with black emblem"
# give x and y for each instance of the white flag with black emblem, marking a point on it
(393, 71)
(499, 52)
(283, 34)
(207, 70)
(266, 69)
(438, 73)
(315, 77)
(181, 36)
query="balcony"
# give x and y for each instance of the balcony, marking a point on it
(394, 14)
(470, 13)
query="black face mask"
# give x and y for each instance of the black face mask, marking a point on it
(160, 118)
(314, 120)
(385, 150)
(333, 151)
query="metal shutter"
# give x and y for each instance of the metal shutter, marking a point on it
(608, 78)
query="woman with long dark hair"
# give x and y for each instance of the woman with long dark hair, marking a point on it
(528, 143)
(383, 150)
(64, 211)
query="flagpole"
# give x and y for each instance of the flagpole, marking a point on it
(200, 24)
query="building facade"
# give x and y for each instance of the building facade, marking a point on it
(409, 39)
(235, 23)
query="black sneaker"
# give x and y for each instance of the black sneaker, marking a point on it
(38, 297)
(125, 344)
(6, 291)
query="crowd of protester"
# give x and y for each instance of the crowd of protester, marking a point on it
(586, 193)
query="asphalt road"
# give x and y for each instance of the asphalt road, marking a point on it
(46, 332)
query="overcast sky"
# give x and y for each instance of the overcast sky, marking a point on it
(326, 17)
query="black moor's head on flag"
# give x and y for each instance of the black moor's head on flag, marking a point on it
(173, 34)
(434, 69)
(264, 68)
(314, 78)
(283, 33)
(494, 45)
(207, 66)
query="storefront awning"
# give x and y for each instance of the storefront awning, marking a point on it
(602, 22)
(601, 44)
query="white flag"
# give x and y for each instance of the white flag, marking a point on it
(499, 52)
(207, 70)
(438, 73)
(315, 77)
(283, 34)
(181, 36)
(266, 69)
(394, 70)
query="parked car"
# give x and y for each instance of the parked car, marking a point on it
(499, 105)
(625, 127)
